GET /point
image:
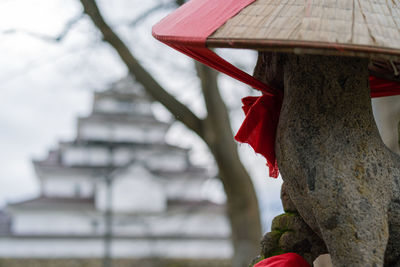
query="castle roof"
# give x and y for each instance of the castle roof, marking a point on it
(123, 118)
(44, 202)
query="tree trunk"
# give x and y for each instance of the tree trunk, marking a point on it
(342, 179)
(216, 132)
(242, 206)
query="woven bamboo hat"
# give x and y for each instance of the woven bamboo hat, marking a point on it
(334, 27)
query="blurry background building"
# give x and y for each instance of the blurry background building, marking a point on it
(117, 190)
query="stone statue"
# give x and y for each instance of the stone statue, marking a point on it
(338, 175)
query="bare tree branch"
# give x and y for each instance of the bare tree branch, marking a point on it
(242, 210)
(180, 2)
(67, 28)
(150, 11)
(178, 110)
(215, 130)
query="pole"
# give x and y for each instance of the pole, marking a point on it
(108, 218)
(108, 214)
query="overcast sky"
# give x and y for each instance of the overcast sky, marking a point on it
(45, 85)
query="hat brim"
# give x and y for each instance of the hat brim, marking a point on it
(301, 47)
(342, 27)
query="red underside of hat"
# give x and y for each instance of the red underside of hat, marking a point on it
(187, 30)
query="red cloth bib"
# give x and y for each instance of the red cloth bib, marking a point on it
(284, 260)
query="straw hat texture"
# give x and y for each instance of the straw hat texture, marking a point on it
(334, 27)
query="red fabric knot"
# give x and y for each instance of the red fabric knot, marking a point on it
(284, 260)
(259, 127)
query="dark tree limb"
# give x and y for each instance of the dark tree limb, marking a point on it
(178, 110)
(241, 197)
(215, 130)
(180, 2)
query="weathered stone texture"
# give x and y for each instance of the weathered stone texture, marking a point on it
(289, 233)
(287, 203)
(342, 179)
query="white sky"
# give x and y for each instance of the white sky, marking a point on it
(44, 86)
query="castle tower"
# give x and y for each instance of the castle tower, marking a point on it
(120, 161)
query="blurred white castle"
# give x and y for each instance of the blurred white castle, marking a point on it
(118, 188)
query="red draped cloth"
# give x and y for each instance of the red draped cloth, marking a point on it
(284, 260)
(187, 29)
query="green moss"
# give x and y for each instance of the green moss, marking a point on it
(283, 222)
(291, 213)
(270, 244)
(275, 235)
(275, 252)
(256, 260)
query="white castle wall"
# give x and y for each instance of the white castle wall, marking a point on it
(111, 105)
(197, 223)
(133, 191)
(62, 222)
(185, 188)
(72, 186)
(173, 160)
(108, 131)
(92, 156)
(123, 248)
